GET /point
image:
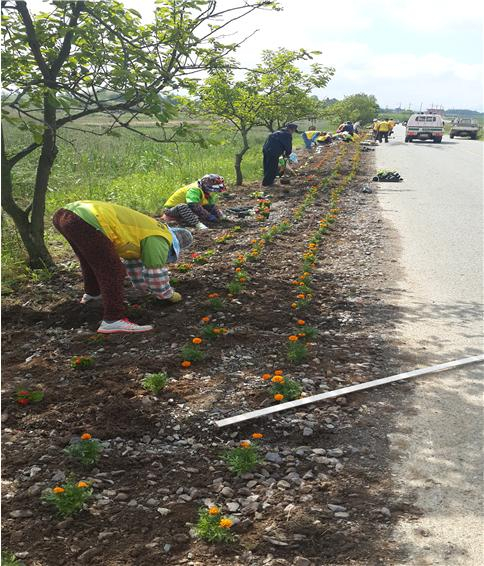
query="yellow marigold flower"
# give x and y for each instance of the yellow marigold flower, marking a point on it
(266, 376)
(257, 435)
(82, 484)
(293, 305)
(306, 273)
(245, 443)
(86, 436)
(226, 523)
(58, 490)
(278, 396)
(197, 340)
(301, 322)
(277, 379)
(213, 511)
(312, 246)
(186, 364)
(293, 338)
(278, 372)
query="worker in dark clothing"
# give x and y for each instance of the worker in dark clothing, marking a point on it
(277, 144)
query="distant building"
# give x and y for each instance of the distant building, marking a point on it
(439, 111)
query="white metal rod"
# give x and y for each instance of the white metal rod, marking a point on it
(345, 390)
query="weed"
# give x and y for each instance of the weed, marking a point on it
(154, 382)
(9, 559)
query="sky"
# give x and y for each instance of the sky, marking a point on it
(409, 53)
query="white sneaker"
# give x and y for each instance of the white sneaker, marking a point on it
(123, 325)
(86, 298)
(201, 226)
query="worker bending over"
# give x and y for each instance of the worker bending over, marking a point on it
(100, 233)
(195, 204)
(383, 128)
(309, 137)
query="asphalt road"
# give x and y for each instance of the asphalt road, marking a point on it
(438, 213)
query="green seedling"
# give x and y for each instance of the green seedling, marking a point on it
(243, 458)
(154, 382)
(86, 450)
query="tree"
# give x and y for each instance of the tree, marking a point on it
(287, 89)
(357, 107)
(83, 58)
(271, 94)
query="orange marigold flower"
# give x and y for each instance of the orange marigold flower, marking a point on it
(197, 340)
(266, 376)
(58, 490)
(257, 435)
(278, 372)
(242, 279)
(253, 241)
(238, 270)
(301, 322)
(293, 338)
(294, 282)
(205, 318)
(312, 246)
(301, 334)
(217, 330)
(226, 523)
(213, 511)
(82, 484)
(213, 295)
(301, 296)
(186, 364)
(278, 379)
(245, 443)
(86, 436)
(278, 396)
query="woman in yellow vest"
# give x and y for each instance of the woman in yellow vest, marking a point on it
(383, 128)
(100, 233)
(195, 204)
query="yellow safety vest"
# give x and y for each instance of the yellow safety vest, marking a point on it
(322, 138)
(126, 228)
(375, 125)
(180, 196)
(383, 127)
(311, 133)
(391, 124)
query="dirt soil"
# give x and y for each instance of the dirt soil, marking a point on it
(164, 452)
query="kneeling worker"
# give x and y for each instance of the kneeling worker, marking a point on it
(195, 204)
(100, 233)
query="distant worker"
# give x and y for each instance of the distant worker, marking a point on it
(324, 138)
(346, 127)
(195, 205)
(391, 125)
(277, 143)
(101, 233)
(309, 137)
(383, 128)
(376, 123)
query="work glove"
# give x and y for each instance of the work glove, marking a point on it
(201, 226)
(175, 298)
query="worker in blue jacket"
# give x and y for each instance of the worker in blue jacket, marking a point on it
(277, 144)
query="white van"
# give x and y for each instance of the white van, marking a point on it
(425, 127)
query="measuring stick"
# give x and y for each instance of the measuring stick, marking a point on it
(345, 390)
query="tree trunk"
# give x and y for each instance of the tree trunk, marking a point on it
(32, 231)
(239, 156)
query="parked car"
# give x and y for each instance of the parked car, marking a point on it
(424, 127)
(467, 127)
